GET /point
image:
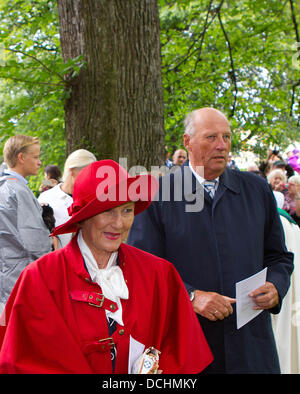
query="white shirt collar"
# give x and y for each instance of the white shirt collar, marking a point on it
(199, 178)
(57, 190)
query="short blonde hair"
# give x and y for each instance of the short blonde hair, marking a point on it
(78, 159)
(274, 173)
(15, 145)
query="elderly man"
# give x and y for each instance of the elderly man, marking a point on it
(179, 157)
(235, 235)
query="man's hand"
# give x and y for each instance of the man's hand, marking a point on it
(265, 297)
(212, 305)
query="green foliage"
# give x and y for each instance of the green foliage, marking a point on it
(236, 56)
(31, 77)
(32, 82)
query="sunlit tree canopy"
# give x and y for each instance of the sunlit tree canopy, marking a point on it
(240, 56)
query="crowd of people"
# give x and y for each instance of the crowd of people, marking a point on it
(116, 276)
(284, 177)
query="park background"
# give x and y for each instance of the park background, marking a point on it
(117, 77)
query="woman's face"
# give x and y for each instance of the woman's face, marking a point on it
(104, 233)
(292, 188)
(277, 183)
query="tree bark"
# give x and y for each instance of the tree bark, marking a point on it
(115, 107)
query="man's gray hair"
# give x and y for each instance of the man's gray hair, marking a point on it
(192, 117)
(189, 123)
(295, 179)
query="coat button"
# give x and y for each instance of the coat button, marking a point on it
(112, 307)
(121, 332)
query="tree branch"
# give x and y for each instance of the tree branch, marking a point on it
(292, 101)
(295, 23)
(37, 60)
(202, 34)
(298, 43)
(232, 74)
(32, 82)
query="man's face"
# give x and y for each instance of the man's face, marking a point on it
(210, 145)
(179, 157)
(31, 161)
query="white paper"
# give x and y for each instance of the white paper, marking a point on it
(244, 303)
(136, 349)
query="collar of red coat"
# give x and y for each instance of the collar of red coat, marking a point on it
(72, 250)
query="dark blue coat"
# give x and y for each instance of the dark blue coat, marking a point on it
(233, 237)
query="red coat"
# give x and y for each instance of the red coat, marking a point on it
(54, 318)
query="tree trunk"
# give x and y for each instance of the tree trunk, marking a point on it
(115, 107)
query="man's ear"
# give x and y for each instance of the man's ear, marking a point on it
(186, 142)
(20, 158)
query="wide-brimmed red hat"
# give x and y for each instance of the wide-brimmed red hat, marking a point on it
(103, 185)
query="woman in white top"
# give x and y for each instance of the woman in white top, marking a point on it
(60, 196)
(286, 324)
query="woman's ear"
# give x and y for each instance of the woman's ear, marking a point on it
(72, 172)
(79, 225)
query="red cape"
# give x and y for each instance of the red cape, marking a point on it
(51, 327)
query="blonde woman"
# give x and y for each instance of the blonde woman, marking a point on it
(277, 180)
(292, 198)
(23, 235)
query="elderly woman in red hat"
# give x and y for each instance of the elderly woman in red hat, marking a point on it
(96, 305)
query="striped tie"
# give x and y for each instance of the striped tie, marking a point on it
(210, 187)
